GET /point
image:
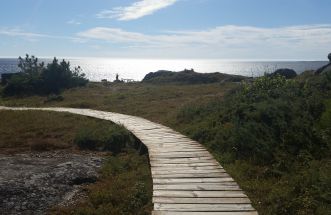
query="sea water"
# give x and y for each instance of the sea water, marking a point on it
(97, 69)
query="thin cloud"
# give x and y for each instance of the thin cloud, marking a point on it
(136, 10)
(20, 33)
(223, 35)
(224, 41)
(33, 37)
(73, 22)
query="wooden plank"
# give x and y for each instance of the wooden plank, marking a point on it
(184, 168)
(166, 148)
(193, 163)
(198, 194)
(203, 207)
(179, 154)
(177, 149)
(188, 160)
(202, 155)
(210, 187)
(204, 213)
(178, 171)
(166, 162)
(171, 165)
(170, 200)
(190, 180)
(193, 175)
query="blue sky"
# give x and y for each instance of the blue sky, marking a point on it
(227, 29)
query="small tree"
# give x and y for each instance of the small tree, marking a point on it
(58, 76)
(30, 65)
(35, 78)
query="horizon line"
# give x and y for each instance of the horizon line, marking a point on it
(146, 58)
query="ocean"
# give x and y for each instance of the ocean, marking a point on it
(136, 69)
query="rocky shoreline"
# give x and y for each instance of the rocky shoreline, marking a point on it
(31, 183)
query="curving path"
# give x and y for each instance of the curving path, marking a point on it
(186, 177)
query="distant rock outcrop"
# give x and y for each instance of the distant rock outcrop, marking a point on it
(325, 68)
(287, 73)
(190, 77)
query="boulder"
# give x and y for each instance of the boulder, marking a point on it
(287, 73)
(325, 68)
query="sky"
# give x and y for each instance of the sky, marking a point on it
(218, 29)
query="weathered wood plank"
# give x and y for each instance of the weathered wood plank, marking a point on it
(204, 213)
(171, 200)
(184, 168)
(190, 180)
(211, 187)
(175, 150)
(180, 154)
(198, 194)
(193, 175)
(203, 207)
(174, 160)
(177, 171)
(172, 165)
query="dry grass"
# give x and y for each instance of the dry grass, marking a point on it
(30, 131)
(158, 103)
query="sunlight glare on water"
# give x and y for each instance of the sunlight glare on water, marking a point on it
(97, 69)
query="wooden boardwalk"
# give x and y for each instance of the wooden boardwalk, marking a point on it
(186, 177)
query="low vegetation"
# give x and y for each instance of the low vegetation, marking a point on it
(105, 138)
(273, 136)
(135, 98)
(27, 131)
(125, 185)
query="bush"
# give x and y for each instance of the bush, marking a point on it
(54, 98)
(114, 139)
(35, 78)
(279, 129)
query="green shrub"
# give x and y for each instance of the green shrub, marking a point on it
(36, 78)
(273, 136)
(54, 98)
(114, 138)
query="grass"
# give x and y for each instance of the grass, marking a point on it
(29, 130)
(125, 185)
(137, 99)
